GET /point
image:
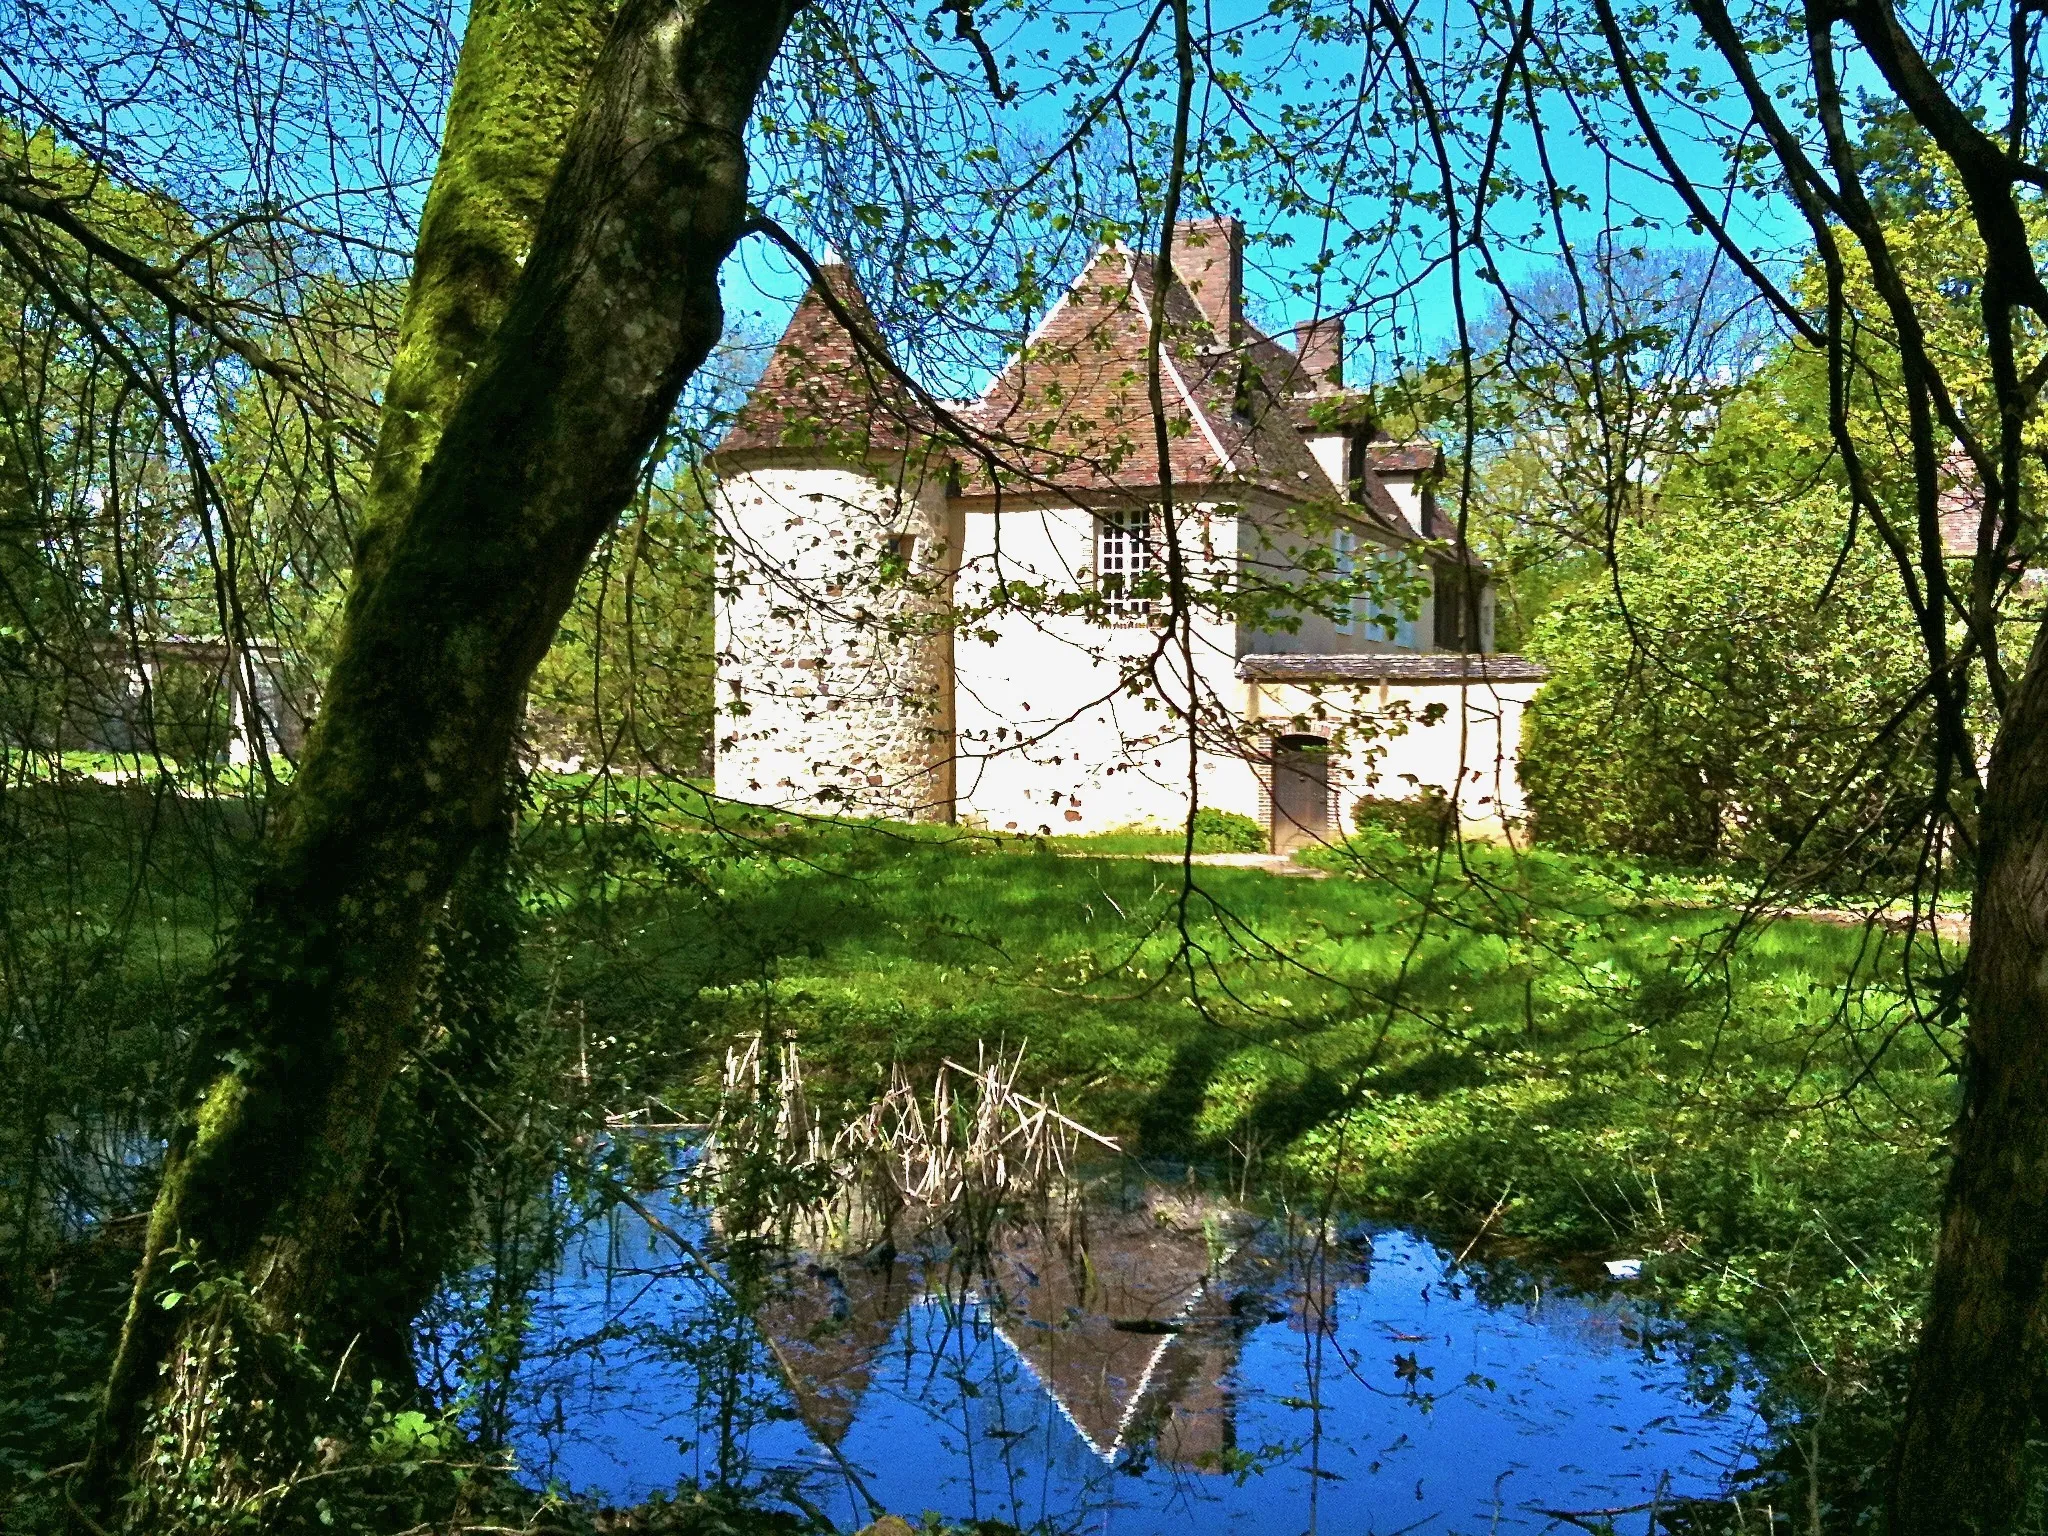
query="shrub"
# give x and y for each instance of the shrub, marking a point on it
(1725, 705)
(1423, 820)
(1227, 832)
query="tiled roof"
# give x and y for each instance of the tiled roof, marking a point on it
(1241, 401)
(1290, 396)
(1403, 458)
(1070, 414)
(1071, 409)
(1328, 410)
(822, 390)
(1390, 667)
(1960, 506)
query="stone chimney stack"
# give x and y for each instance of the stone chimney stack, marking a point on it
(1320, 346)
(1208, 256)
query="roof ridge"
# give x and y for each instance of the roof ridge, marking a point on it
(1166, 363)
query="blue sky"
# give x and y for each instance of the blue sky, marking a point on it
(353, 129)
(1395, 284)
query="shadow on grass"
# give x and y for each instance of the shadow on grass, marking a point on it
(1166, 1122)
(1287, 1110)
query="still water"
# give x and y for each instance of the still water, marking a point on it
(1156, 1364)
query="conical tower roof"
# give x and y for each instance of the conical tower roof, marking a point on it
(824, 390)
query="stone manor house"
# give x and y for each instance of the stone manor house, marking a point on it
(953, 611)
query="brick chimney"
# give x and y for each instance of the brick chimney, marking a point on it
(1320, 346)
(1208, 256)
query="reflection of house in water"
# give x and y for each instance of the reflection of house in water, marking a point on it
(1094, 1318)
(826, 1325)
(185, 698)
(1131, 1324)
(1186, 1414)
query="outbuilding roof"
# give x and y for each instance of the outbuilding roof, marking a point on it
(1390, 667)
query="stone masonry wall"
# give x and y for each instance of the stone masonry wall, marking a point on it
(835, 659)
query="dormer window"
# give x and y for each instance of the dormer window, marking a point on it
(1357, 463)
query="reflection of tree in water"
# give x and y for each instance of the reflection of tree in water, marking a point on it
(729, 1367)
(536, 1345)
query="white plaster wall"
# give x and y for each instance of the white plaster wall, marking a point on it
(1406, 489)
(834, 693)
(1391, 749)
(1049, 737)
(1332, 450)
(834, 675)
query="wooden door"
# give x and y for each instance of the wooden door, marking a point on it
(1301, 792)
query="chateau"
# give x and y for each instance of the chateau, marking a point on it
(954, 612)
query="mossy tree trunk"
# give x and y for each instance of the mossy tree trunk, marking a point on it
(462, 584)
(1960, 1459)
(440, 1127)
(521, 74)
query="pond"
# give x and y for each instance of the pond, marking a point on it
(1154, 1360)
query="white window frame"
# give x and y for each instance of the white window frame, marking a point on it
(1126, 550)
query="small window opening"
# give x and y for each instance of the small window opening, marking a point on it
(1356, 462)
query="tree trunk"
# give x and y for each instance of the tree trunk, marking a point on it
(617, 305)
(521, 74)
(440, 1117)
(1959, 1462)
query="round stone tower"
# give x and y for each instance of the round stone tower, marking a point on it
(837, 556)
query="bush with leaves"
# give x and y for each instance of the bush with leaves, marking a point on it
(1741, 690)
(1218, 831)
(1423, 820)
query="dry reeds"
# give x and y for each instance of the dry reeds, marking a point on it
(972, 1146)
